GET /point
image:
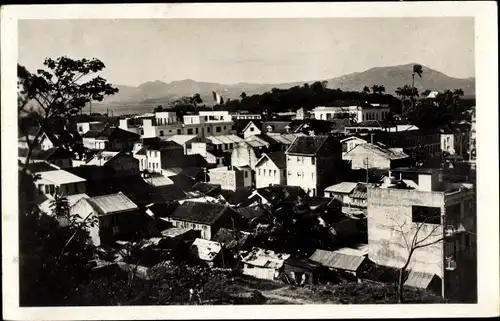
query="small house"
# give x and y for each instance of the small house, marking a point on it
(233, 240)
(58, 156)
(375, 156)
(250, 129)
(300, 271)
(347, 266)
(60, 182)
(207, 251)
(425, 281)
(263, 264)
(205, 217)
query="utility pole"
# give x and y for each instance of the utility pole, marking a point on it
(366, 168)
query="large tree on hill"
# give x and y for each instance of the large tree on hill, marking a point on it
(60, 90)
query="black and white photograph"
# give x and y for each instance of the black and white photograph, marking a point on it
(210, 159)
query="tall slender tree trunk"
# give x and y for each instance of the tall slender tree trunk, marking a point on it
(402, 278)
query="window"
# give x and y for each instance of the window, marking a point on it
(80, 128)
(142, 131)
(208, 129)
(298, 174)
(231, 146)
(225, 127)
(259, 171)
(426, 214)
(274, 173)
(251, 129)
(225, 146)
(196, 130)
(149, 165)
(246, 174)
(284, 172)
(142, 162)
(269, 172)
(313, 161)
(190, 131)
(217, 129)
(179, 132)
(161, 132)
(289, 173)
(47, 189)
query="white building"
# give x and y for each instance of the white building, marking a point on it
(359, 113)
(271, 169)
(84, 127)
(312, 163)
(250, 130)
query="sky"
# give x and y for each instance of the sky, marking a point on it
(230, 51)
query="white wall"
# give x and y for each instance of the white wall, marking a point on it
(267, 173)
(302, 172)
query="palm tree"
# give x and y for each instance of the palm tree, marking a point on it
(243, 95)
(374, 89)
(366, 89)
(381, 89)
(417, 69)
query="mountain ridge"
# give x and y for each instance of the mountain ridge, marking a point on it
(391, 77)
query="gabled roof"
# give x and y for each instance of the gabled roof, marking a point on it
(338, 260)
(202, 213)
(352, 138)
(278, 158)
(265, 139)
(232, 239)
(59, 177)
(277, 191)
(181, 139)
(206, 250)
(419, 279)
(112, 204)
(250, 123)
(241, 124)
(342, 188)
(388, 153)
(307, 145)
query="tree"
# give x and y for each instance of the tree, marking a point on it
(366, 90)
(55, 252)
(59, 91)
(422, 230)
(158, 109)
(243, 95)
(406, 93)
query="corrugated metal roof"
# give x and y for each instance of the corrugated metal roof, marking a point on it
(111, 204)
(181, 139)
(59, 177)
(256, 143)
(419, 279)
(338, 260)
(72, 199)
(344, 187)
(159, 181)
(265, 258)
(206, 250)
(391, 154)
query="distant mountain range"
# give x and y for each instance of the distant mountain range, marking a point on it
(158, 92)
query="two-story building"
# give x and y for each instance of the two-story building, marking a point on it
(414, 210)
(231, 177)
(271, 169)
(313, 162)
(355, 110)
(84, 127)
(206, 123)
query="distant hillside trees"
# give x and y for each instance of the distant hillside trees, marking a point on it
(307, 96)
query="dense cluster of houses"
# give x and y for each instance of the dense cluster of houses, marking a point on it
(209, 180)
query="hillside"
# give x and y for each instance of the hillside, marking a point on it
(152, 93)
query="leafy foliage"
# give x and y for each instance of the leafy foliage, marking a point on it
(60, 90)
